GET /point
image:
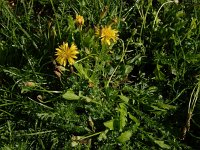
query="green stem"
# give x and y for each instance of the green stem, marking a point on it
(85, 58)
(159, 11)
(56, 19)
(91, 135)
(122, 58)
(44, 90)
(37, 133)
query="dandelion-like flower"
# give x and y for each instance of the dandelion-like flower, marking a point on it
(79, 20)
(107, 34)
(65, 53)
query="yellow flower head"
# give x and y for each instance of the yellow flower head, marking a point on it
(65, 53)
(107, 34)
(79, 20)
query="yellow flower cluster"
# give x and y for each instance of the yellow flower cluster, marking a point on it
(66, 53)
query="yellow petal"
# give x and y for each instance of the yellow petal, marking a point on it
(71, 61)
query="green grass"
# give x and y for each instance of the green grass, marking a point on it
(138, 93)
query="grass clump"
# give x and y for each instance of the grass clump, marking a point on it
(99, 74)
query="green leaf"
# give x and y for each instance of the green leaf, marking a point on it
(69, 95)
(124, 98)
(82, 72)
(128, 69)
(123, 116)
(103, 136)
(193, 24)
(152, 89)
(158, 73)
(125, 136)
(25, 89)
(87, 99)
(71, 24)
(166, 106)
(162, 144)
(134, 119)
(157, 108)
(180, 14)
(109, 124)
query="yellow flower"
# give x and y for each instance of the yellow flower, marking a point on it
(30, 84)
(107, 34)
(65, 53)
(79, 20)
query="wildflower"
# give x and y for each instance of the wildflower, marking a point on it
(79, 20)
(65, 53)
(107, 34)
(59, 70)
(30, 84)
(57, 73)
